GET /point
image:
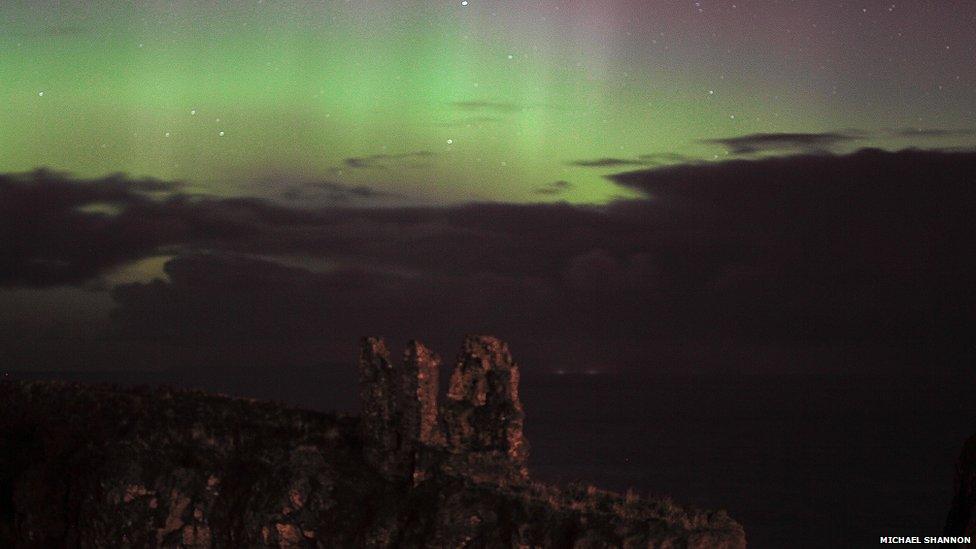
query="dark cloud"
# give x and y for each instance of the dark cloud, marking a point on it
(651, 159)
(233, 300)
(790, 142)
(830, 248)
(556, 187)
(932, 132)
(611, 162)
(344, 191)
(821, 142)
(384, 161)
(654, 158)
(57, 230)
(333, 191)
(814, 259)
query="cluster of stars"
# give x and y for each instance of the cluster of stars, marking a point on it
(193, 112)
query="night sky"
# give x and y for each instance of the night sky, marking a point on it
(445, 102)
(754, 186)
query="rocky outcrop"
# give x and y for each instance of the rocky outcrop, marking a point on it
(962, 514)
(420, 380)
(483, 415)
(97, 466)
(380, 420)
(479, 426)
(399, 407)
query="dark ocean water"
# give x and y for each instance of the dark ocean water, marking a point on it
(800, 461)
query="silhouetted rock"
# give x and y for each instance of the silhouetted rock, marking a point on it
(419, 386)
(97, 466)
(419, 428)
(962, 515)
(483, 414)
(399, 407)
(380, 421)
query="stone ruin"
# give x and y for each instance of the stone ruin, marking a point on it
(476, 432)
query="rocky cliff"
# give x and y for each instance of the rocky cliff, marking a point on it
(97, 466)
(962, 514)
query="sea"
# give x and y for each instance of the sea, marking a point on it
(799, 460)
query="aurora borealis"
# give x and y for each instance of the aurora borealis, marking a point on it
(501, 101)
(741, 231)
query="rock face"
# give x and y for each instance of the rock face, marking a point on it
(962, 515)
(99, 466)
(380, 420)
(480, 424)
(399, 407)
(483, 415)
(419, 387)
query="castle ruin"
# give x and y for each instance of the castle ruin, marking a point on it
(477, 431)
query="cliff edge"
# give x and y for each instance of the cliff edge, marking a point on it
(962, 514)
(95, 466)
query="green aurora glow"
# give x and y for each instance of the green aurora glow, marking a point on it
(503, 96)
